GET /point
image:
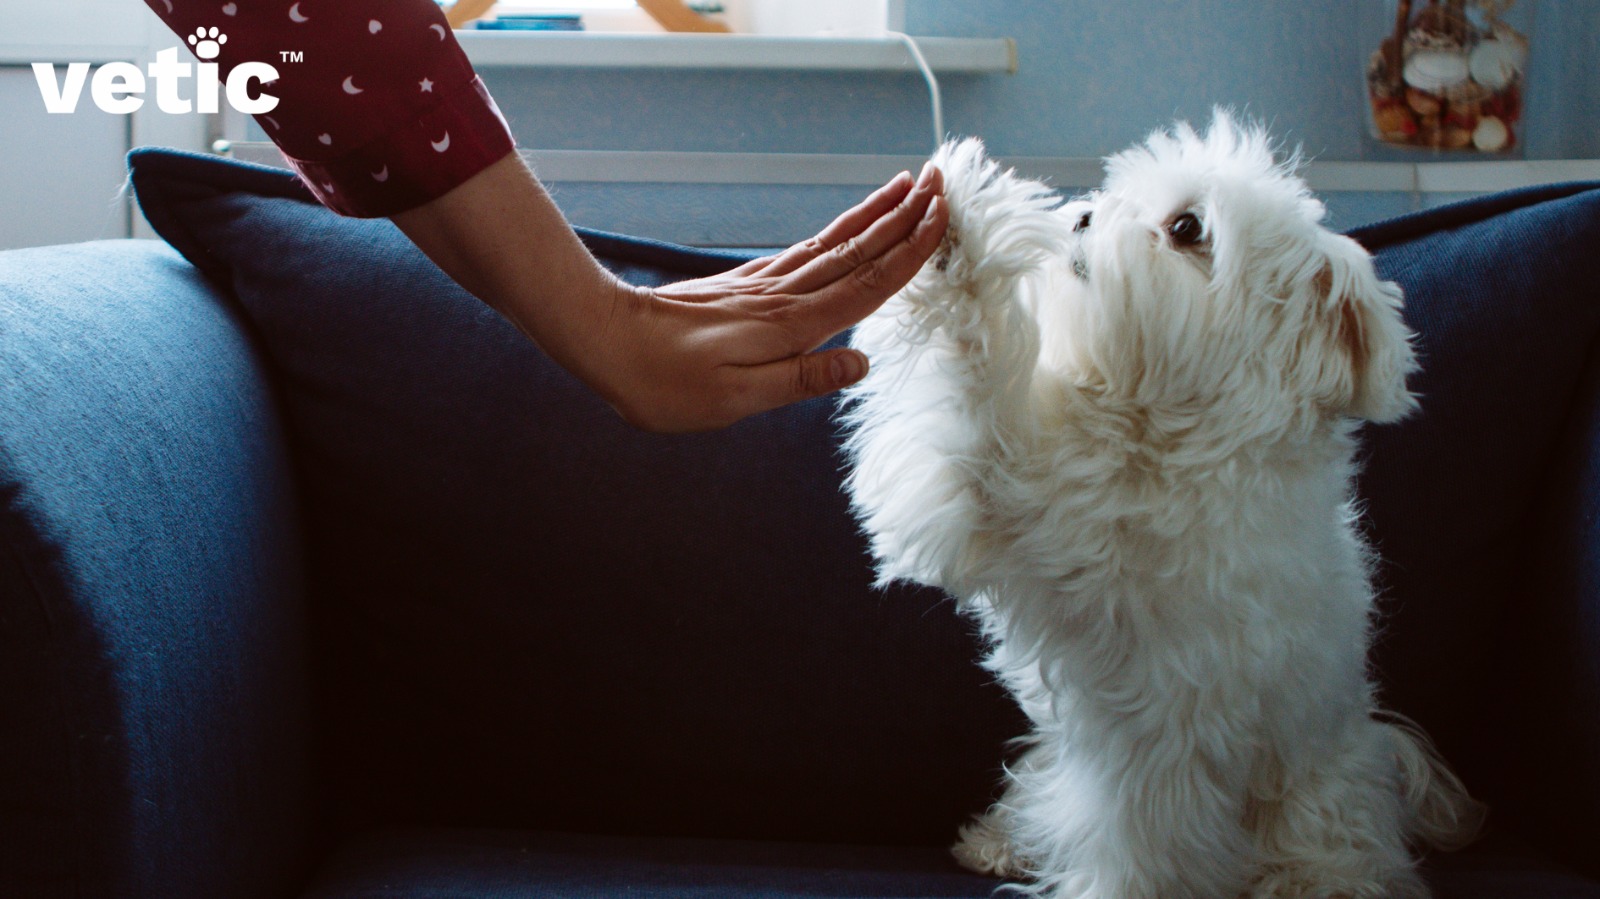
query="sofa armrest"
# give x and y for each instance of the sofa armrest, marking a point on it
(153, 728)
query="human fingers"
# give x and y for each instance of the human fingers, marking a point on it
(803, 377)
(849, 224)
(744, 280)
(749, 268)
(846, 226)
(849, 299)
(861, 250)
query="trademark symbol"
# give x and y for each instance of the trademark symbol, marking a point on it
(292, 55)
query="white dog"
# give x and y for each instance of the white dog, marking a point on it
(1121, 431)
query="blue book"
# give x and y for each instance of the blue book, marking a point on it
(530, 22)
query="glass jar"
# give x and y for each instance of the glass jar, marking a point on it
(1448, 76)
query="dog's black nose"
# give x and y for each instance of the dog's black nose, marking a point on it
(1083, 221)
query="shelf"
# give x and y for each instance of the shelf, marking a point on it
(653, 167)
(734, 51)
(492, 49)
(1460, 176)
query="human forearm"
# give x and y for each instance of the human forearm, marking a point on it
(500, 236)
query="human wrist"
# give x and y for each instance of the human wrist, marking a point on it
(586, 322)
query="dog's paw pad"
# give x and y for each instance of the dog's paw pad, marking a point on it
(947, 248)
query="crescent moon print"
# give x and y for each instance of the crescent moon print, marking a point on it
(296, 16)
(436, 27)
(382, 176)
(440, 146)
(350, 86)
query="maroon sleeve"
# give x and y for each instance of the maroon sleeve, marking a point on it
(383, 113)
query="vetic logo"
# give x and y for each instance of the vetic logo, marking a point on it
(118, 87)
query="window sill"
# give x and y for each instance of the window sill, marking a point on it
(657, 167)
(734, 51)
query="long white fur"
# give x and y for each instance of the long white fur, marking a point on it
(1132, 461)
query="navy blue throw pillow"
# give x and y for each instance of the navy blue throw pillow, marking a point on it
(529, 614)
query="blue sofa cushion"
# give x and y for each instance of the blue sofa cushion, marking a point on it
(529, 614)
(452, 864)
(535, 617)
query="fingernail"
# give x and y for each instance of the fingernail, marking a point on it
(933, 209)
(848, 368)
(901, 178)
(927, 174)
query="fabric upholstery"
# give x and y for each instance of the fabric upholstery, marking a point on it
(1502, 292)
(566, 623)
(446, 864)
(531, 617)
(153, 738)
(1552, 694)
(450, 864)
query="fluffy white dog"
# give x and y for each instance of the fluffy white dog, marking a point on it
(1121, 431)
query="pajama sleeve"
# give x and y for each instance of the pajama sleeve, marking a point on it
(383, 114)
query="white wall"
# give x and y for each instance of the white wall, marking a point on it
(62, 175)
(57, 26)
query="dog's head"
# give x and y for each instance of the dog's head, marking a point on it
(1200, 275)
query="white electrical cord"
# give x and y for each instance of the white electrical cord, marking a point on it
(933, 84)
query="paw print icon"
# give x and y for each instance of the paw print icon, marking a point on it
(207, 42)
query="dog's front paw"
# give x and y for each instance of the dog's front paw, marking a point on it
(984, 845)
(1003, 228)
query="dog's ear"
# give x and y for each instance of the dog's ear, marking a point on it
(1368, 351)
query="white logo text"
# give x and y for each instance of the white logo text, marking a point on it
(118, 87)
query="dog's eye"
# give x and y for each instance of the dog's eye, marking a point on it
(1186, 230)
(1083, 221)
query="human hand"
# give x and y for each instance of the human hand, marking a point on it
(702, 354)
(691, 356)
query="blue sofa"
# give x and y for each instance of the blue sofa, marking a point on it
(317, 580)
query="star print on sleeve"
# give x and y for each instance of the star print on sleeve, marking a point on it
(383, 114)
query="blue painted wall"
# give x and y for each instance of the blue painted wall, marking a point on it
(1095, 76)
